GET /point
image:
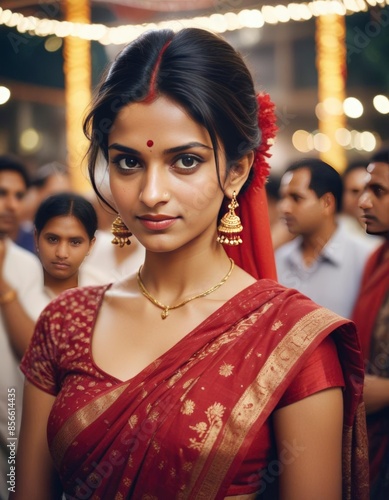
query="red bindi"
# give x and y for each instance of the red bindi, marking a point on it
(150, 143)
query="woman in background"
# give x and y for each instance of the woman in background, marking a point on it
(65, 226)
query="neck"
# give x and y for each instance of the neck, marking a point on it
(58, 286)
(174, 276)
(314, 243)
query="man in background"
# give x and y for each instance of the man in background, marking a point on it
(371, 315)
(279, 232)
(323, 261)
(354, 180)
(21, 293)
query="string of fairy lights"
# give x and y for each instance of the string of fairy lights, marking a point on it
(331, 139)
(216, 22)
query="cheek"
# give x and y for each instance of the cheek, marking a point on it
(385, 211)
(45, 249)
(79, 253)
(45, 255)
(201, 196)
(121, 190)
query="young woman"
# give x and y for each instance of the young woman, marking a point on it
(65, 226)
(196, 377)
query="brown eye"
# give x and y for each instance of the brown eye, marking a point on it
(187, 162)
(126, 163)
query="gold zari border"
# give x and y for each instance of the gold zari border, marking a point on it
(80, 421)
(254, 400)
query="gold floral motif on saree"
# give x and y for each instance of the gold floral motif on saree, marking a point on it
(132, 421)
(226, 370)
(205, 431)
(188, 407)
(276, 326)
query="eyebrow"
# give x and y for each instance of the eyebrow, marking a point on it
(55, 235)
(376, 185)
(177, 149)
(294, 192)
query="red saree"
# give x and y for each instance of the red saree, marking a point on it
(374, 289)
(115, 442)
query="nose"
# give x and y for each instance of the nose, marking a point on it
(364, 201)
(284, 206)
(154, 188)
(13, 203)
(61, 250)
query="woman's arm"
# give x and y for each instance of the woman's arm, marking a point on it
(309, 442)
(36, 478)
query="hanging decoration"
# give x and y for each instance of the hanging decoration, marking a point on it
(217, 22)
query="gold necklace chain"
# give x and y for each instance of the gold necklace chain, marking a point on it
(166, 309)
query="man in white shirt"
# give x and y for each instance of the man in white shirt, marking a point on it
(325, 261)
(21, 293)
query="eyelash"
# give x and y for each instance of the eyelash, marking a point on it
(128, 170)
(52, 240)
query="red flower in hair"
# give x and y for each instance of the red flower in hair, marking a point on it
(267, 125)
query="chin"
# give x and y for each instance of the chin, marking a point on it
(376, 232)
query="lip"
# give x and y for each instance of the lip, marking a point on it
(288, 220)
(157, 222)
(368, 218)
(8, 218)
(60, 265)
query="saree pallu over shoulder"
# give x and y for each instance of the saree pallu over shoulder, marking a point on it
(210, 394)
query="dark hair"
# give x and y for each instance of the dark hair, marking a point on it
(272, 187)
(10, 163)
(380, 156)
(194, 68)
(324, 178)
(63, 204)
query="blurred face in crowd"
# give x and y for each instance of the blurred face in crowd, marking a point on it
(12, 191)
(57, 183)
(374, 200)
(300, 207)
(62, 246)
(353, 184)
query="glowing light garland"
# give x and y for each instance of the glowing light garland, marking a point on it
(218, 23)
(77, 72)
(331, 69)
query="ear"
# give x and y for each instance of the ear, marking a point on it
(91, 244)
(238, 174)
(328, 202)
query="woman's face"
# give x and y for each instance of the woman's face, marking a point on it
(163, 175)
(63, 244)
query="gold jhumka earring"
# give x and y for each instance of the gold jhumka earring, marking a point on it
(120, 232)
(230, 225)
